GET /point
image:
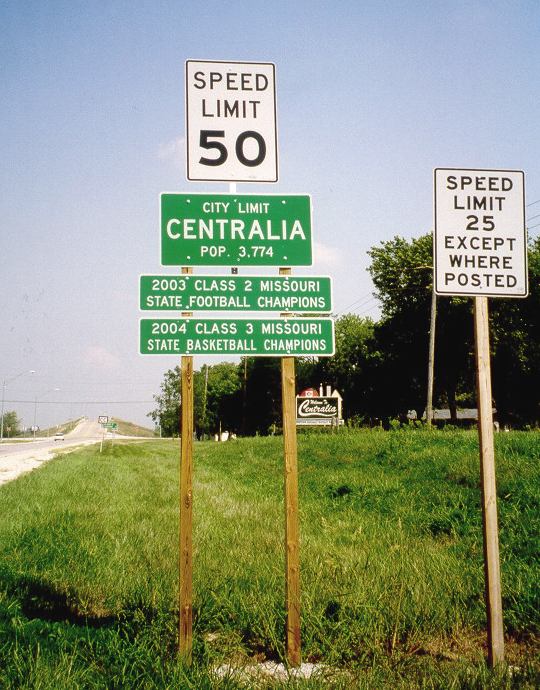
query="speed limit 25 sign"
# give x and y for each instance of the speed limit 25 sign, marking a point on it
(480, 240)
(231, 129)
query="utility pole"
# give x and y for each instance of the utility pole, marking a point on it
(205, 394)
(244, 397)
(4, 384)
(52, 390)
(431, 359)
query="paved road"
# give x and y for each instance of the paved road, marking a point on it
(19, 457)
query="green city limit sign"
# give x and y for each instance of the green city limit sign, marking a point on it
(250, 337)
(235, 230)
(302, 294)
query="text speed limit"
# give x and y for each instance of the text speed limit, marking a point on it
(231, 121)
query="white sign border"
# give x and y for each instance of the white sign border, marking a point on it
(186, 106)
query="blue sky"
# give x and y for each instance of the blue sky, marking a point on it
(371, 96)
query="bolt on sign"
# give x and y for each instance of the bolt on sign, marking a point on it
(236, 293)
(231, 129)
(244, 337)
(235, 230)
(480, 240)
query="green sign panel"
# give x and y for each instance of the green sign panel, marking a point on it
(236, 293)
(110, 425)
(251, 337)
(235, 230)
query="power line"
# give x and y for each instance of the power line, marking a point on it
(356, 310)
(366, 311)
(366, 299)
(84, 402)
(532, 203)
(357, 302)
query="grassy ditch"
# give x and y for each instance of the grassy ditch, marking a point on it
(391, 563)
(130, 429)
(64, 428)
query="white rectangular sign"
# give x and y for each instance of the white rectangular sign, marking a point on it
(480, 240)
(231, 130)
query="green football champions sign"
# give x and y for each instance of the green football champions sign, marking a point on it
(251, 337)
(235, 230)
(304, 294)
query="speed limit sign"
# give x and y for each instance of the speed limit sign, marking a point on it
(231, 129)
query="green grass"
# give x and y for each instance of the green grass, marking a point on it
(131, 429)
(391, 563)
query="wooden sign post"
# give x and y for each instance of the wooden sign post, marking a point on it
(480, 251)
(495, 631)
(234, 237)
(186, 506)
(292, 530)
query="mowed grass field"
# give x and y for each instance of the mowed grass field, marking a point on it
(391, 563)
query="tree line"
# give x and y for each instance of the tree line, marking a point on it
(381, 367)
(12, 424)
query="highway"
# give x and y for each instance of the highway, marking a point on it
(19, 457)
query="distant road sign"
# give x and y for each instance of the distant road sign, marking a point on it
(103, 419)
(480, 240)
(253, 337)
(235, 230)
(295, 294)
(231, 130)
(110, 425)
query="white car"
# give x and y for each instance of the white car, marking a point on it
(59, 436)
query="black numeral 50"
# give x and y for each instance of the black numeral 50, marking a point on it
(205, 141)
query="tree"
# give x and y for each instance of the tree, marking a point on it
(402, 273)
(11, 424)
(263, 395)
(349, 369)
(216, 400)
(167, 414)
(515, 344)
